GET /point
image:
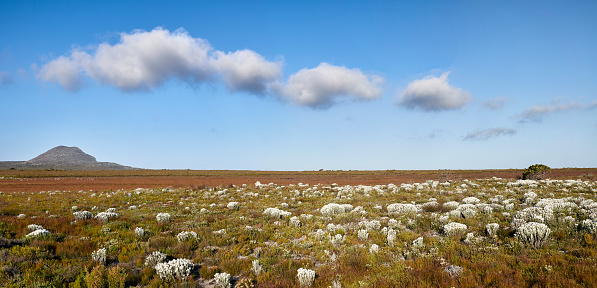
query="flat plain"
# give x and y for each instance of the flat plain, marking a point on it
(187, 228)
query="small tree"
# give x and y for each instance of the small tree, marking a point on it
(535, 172)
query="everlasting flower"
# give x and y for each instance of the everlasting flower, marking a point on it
(38, 233)
(82, 215)
(453, 228)
(306, 277)
(99, 255)
(533, 233)
(222, 280)
(154, 258)
(162, 217)
(177, 269)
(184, 236)
(399, 208)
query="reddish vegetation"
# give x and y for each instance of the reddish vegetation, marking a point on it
(35, 181)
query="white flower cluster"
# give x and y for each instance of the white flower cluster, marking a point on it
(333, 209)
(276, 213)
(400, 208)
(222, 280)
(306, 277)
(175, 269)
(105, 216)
(99, 255)
(451, 205)
(363, 235)
(533, 233)
(372, 225)
(590, 225)
(154, 258)
(374, 248)
(418, 243)
(492, 229)
(82, 215)
(294, 221)
(184, 236)
(453, 228)
(471, 200)
(139, 232)
(33, 227)
(337, 240)
(391, 237)
(38, 233)
(256, 267)
(162, 217)
(233, 205)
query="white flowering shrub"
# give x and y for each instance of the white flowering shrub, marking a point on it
(471, 200)
(111, 210)
(451, 205)
(222, 280)
(139, 232)
(82, 215)
(418, 243)
(363, 235)
(336, 240)
(533, 233)
(186, 235)
(177, 269)
(99, 255)
(233, 205)
(492, 229)
(589, 225)
(372, 225)
(105, 216)
(162, 217)
(256, 267)
(333, 209)
(399, 208)
(38, 233)
(374, 248)
(320, 234)
(294, 221)
(21, 216)
(454, 228)
(154, 258)
(276, 213)
(391, 237)
(306, 277)
(33, 227)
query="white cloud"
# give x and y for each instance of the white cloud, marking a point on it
(247, 70)
(538, 113)
(145, 60)
(323, 85)
(495, 103)
(433, 94)
(5, 78)
(489, 133)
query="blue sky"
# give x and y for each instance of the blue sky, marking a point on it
(304, 85)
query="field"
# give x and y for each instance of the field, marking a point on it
(163, 228)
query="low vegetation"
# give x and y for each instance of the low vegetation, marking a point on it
(457, 233)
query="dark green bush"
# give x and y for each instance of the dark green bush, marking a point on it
(535, 172)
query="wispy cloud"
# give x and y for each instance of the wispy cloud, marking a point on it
(481, 135)
(433, 94)
(5, 79)
(538, 113)
(145, 60)
(495, 103)
(323, 85)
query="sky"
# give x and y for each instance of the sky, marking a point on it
(302, 85)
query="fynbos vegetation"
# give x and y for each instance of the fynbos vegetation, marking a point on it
(486, 232)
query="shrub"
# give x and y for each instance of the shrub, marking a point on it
(155, 258)
(533, 233)
(139, 232)
(116, 277)
(99, 255)
(184, 236)
(454, 228)
(162, 217)
(276, 213)
(83, 215)
(399, 208)
(233, 205)
(222, 280)
(535, 172)
(333, 209)
(38, 233)
(97, 277)
(305, 277)
(177, 269)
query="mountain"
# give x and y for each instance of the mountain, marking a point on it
(63, 158)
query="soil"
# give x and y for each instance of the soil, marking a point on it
(36, 181)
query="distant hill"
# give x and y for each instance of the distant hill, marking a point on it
(63, 158)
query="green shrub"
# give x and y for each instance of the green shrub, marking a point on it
(535, 172)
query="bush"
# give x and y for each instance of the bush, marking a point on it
(535, 172)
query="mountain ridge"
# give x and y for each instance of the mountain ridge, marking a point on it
(63, 158)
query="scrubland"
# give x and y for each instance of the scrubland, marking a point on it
(458, 233)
